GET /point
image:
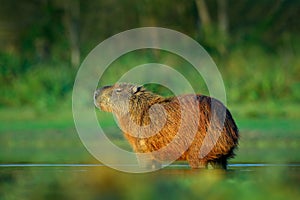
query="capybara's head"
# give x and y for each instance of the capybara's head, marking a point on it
(116, 98)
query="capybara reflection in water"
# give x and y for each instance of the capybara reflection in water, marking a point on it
(191, 127)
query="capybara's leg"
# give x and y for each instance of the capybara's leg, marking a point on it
(148, 162)
(197, 163)
(219, 164)
(202, 164)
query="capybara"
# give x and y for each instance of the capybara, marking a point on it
(192, 127)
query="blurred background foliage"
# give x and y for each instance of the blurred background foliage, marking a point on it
(255, 45)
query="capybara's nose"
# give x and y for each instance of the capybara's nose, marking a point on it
(99, 91)
(96, 93)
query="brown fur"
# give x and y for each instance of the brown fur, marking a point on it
(151, 123)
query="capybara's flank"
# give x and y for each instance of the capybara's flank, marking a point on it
(196, 128)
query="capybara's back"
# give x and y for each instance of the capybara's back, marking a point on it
(196, 128)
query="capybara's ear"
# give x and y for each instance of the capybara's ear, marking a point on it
(137, 88)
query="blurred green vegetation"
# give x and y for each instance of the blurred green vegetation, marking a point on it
(255, 46)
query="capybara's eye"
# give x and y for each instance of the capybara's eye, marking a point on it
(118, 89)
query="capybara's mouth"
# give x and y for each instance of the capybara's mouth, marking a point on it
(96, 104)
(96, 94)
(100, 103)
(95, 98)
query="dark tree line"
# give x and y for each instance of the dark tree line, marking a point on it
(39, 29)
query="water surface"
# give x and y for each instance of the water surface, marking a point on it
(177, 181)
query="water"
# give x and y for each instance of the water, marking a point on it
(177, 181)
(236, 165)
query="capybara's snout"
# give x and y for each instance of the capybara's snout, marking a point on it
(101, 96)
(96, 94)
